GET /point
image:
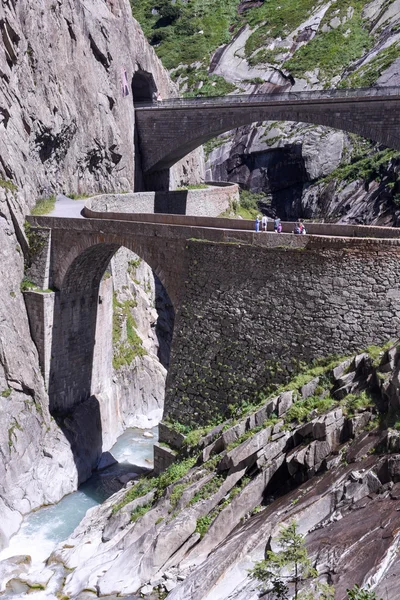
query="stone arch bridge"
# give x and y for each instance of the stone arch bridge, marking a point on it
(170, 129)
(249, 305)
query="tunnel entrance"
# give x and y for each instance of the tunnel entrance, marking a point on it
(143, 86)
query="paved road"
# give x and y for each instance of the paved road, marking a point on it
(66, 207)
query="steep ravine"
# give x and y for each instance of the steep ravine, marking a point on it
(324, 451)
(65, 126)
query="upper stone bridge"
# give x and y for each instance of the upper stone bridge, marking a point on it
(170, 129)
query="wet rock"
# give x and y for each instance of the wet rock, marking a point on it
(11, 568)
(106, 460)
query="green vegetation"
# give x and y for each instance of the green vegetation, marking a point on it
(291, 565)
(6, 393)
(159, 484)
(139, 512)
(194, 186)
(210, 145)
(185, 32)
(369, 168)
(278, 18)
(203, 525)
(353, 403)
(176, 494)
(358, 593)
(8, 185)
(11, 432)
(367, 75)
(28, 286)
(332, 50)
(248, 205)
(44, 206)
(209, 85)
(302, 410)
(208, 489)
(125, 350)
(265, 56)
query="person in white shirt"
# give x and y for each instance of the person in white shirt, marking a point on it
(264, 223)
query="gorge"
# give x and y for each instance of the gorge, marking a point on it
(271, 359)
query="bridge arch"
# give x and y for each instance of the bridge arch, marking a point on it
(170, 131)
(75, 316)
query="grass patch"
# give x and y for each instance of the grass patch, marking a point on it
(367, 75)
(265, 56)
(208, 86)
(194, 186)
(354, 403)
(210, 488)
(159, 484)
(214, 143)
(44, 206)
(8, 185)
(184, 33)
(125, 350)
(302, 410)
(368, 168)
(203, 525)
(278, 18)
(6, 393)
(331, 51)
(139, 512)
(176, 494)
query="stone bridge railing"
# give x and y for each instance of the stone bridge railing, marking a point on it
(98, 208)
(307, 96)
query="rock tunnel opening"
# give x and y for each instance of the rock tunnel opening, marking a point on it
(112, 330)
(143, 86)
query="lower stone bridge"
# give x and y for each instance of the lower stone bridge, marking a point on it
(170, 129)
(249, 306)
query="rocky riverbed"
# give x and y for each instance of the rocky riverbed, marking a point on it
(325, 451)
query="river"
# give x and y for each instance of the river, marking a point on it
(43, 529)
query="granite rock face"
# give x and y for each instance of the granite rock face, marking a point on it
(66, 125)
(199, 538)
(287, 161)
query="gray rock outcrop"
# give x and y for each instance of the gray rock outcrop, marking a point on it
(199, 537)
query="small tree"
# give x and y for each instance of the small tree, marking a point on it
(290, 565)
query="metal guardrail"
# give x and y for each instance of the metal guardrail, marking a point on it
(272, 97)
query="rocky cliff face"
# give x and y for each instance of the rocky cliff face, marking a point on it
(67, 88)
(325, 45)
(324, 452)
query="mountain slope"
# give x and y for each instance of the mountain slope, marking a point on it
(277, 45)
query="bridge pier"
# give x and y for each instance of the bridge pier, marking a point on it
(158, 181)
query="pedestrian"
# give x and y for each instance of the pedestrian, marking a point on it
(279, 230)
(277, 222)
(257, 223)
(159, 99)
(264, 222)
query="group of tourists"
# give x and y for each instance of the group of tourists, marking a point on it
(263, 221)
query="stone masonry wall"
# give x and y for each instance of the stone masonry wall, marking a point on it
(208, 202)
(250, 315)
